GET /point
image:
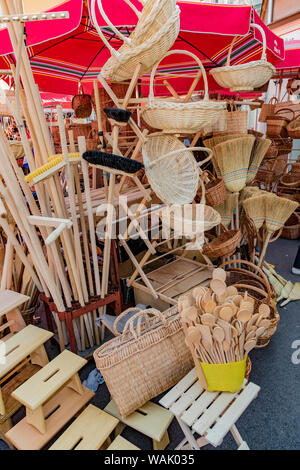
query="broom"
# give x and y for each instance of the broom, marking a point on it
(213, 141)
(293, 295)
(259, 153)
(254, 207)
(232, 157)
(226, 209)
(278, 210)
(109, 160)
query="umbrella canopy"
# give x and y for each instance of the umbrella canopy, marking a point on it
(61, 61)
(290, 66)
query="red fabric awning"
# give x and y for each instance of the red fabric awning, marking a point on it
(75, 54)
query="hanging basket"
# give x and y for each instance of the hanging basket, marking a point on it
(171, 168)
(224, 245)
(147, 45)
(276, 124)
(293, 128)
(174, 115)
(291, 229)
(82, 105)
(245, 77)
(215, 190)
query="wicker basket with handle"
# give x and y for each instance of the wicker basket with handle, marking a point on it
(176, 115)
(267, 109)
(145, 360)
(245, 77)
(247, 280)
(291, 229)
(215, 190)
(223, 245)
(276, 124)
(236, 121)
(145, 46)
(293, 128)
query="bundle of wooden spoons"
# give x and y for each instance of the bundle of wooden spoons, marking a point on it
(221, 324)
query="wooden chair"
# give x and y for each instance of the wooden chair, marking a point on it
(51, 397)
(211, 415)
(151, 420)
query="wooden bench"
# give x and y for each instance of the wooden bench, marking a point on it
(151, 420)
(211, 415)
(51, 397)
(9, 303)
(89, 431)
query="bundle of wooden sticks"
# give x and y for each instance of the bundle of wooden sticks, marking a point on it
(220, 324)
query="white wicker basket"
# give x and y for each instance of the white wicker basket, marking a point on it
(174, 115)
(245, 77)
(146, 45)
(171, 168)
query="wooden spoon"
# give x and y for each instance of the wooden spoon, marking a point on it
(190, 339)
(237, 299)
(218, 286)
(264, 310)
(219, 274)
(241, 344)
(210, 306)
(265, 323)
(251, 335)
(244, 315)
(247, 306)
(252, 320)
(249, 345)
(219, 335)
(226, 313)
(226, 349)
(189, 315)
(231, 291)
(260, 331)
(208, 319)
(185, 302)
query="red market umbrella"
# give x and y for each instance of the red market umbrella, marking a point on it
(291, 65)
(76, 56)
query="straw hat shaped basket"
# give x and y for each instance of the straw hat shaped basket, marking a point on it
(177, 116)
(155, 32)
(245, 77)
(171, 168)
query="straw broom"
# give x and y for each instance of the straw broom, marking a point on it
(232, 157)
(260, 151)
(254, 207)
(226, 209)
(213, 141)
(278, 210)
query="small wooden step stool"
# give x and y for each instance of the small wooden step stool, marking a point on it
(211, 415)
(89, 431)
(9, 303)
(51, 397)
(122, 444)
(21, 356)
(151, 420)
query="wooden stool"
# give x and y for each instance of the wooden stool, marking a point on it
(151, 420)
(119, 443)
(88, 432)
(209, 414)
(51, 397)
(9, 303)
(21, 356)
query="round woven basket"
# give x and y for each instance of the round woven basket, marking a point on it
(146, 45)
(171, 168)
(245, 77)
(291, 229)
(191, 221)
(215, 190)
(246, 280)
(223, 245)
(177, 116)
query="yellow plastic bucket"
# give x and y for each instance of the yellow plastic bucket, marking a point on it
(224, 377)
